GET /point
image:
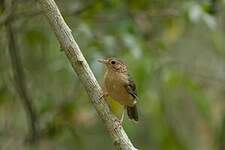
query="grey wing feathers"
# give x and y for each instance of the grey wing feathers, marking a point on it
(131, 87)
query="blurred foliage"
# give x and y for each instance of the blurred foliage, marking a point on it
(175, 51)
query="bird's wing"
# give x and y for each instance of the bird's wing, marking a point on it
(131, 87)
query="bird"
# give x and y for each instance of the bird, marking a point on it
(119, 85)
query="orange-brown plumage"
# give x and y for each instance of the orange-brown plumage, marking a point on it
(118, 84)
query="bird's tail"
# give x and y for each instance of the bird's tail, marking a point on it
(132, 112)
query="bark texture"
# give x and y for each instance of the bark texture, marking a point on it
(82, 69)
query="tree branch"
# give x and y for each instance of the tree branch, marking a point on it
(19, 78)
(81, 67)
(21, 85)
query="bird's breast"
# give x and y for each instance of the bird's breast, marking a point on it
(115, 86)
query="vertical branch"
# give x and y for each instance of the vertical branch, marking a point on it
(82, 69)
(20, 83)
(20, 80)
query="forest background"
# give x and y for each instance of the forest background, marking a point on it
(175, 51)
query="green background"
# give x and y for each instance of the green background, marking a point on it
(175, 51)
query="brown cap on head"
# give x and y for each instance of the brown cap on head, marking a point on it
(110, 60)
(114, 63)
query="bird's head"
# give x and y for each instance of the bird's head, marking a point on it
(114, 64)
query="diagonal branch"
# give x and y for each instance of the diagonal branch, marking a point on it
(82, 69)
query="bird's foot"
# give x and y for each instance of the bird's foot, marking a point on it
(104, 95)
(121, 119)
(118, 124)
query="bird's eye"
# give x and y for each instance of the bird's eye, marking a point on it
(113, 62)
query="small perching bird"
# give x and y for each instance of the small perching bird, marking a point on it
(119, 85)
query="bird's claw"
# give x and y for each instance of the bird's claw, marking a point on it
(104, 95)
(118, 124)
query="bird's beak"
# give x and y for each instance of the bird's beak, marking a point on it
(103, 61)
